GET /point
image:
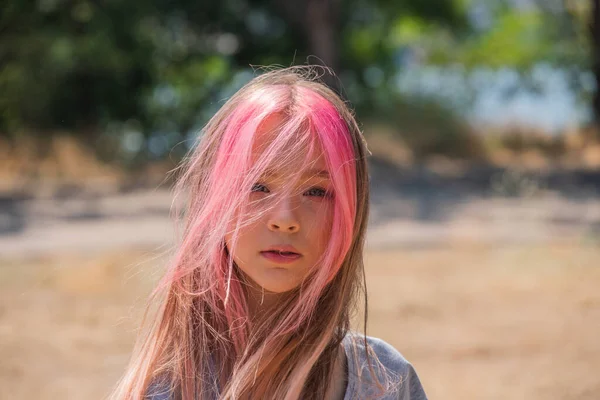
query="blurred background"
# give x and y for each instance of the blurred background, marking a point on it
(483, 259)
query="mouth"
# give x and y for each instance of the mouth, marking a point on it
(281, 254)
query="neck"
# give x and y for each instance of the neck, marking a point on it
(260, 302)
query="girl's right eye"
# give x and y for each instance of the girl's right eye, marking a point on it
(257, 187)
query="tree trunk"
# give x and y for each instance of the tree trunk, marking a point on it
(595, 40)
(321, 29)
(318, 21)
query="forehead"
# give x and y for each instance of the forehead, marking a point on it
(297, 157)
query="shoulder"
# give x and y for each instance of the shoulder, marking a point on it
(159, 391)
(388, 355)
(389, 358)
(391, 368)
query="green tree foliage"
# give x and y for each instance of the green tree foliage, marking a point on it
(69, 64)
(517, 34)
(86, 65)
(521, 35)
(154, 71)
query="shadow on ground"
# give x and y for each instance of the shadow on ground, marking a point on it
(417, 193)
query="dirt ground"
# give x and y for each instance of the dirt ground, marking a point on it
(477, 321)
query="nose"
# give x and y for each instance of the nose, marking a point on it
(283, 218)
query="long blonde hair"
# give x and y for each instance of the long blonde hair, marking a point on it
(202, 343)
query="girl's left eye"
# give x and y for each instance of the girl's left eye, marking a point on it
(317, 191)
(258, 187)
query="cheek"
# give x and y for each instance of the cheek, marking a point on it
(319, 227)
(258, 203)
(245, 243)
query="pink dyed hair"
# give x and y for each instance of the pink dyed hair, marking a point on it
(204, 320)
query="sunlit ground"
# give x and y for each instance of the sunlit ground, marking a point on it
(477, 322)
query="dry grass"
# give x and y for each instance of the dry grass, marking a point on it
(40, 165)
(485, 323)
(477, 322)
(67, 323)
(51, 161)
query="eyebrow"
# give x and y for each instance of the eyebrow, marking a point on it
(321, 173)
(316, 172)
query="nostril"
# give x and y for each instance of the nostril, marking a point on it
(291, 227)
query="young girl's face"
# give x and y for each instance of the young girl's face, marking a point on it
(278, 250)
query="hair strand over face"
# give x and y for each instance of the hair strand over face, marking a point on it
(203, 340)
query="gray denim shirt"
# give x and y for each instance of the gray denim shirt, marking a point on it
(404, 384)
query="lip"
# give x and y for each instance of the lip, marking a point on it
(281, 254)
(279, 258)
(283, 248)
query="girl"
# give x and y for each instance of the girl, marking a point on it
(258, 297)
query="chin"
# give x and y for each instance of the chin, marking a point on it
(278, 287)
(272, 279)
(278, 281)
